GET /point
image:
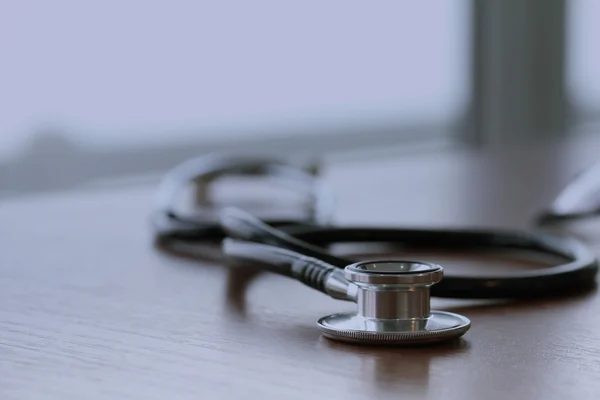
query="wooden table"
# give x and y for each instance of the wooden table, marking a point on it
(90, 309)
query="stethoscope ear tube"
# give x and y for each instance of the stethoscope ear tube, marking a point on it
(550, 218)
(577, 201)
(169, 224)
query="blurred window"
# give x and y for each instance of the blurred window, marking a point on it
(583, 58)
(119, 73)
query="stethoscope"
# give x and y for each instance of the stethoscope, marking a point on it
(579, 200)
(392, 296)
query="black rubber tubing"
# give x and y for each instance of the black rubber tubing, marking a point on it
(576, 274)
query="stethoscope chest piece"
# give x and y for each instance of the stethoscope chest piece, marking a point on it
(393, 306)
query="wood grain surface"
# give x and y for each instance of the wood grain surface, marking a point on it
(91, 309)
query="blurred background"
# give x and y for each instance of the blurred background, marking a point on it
(121, 91)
